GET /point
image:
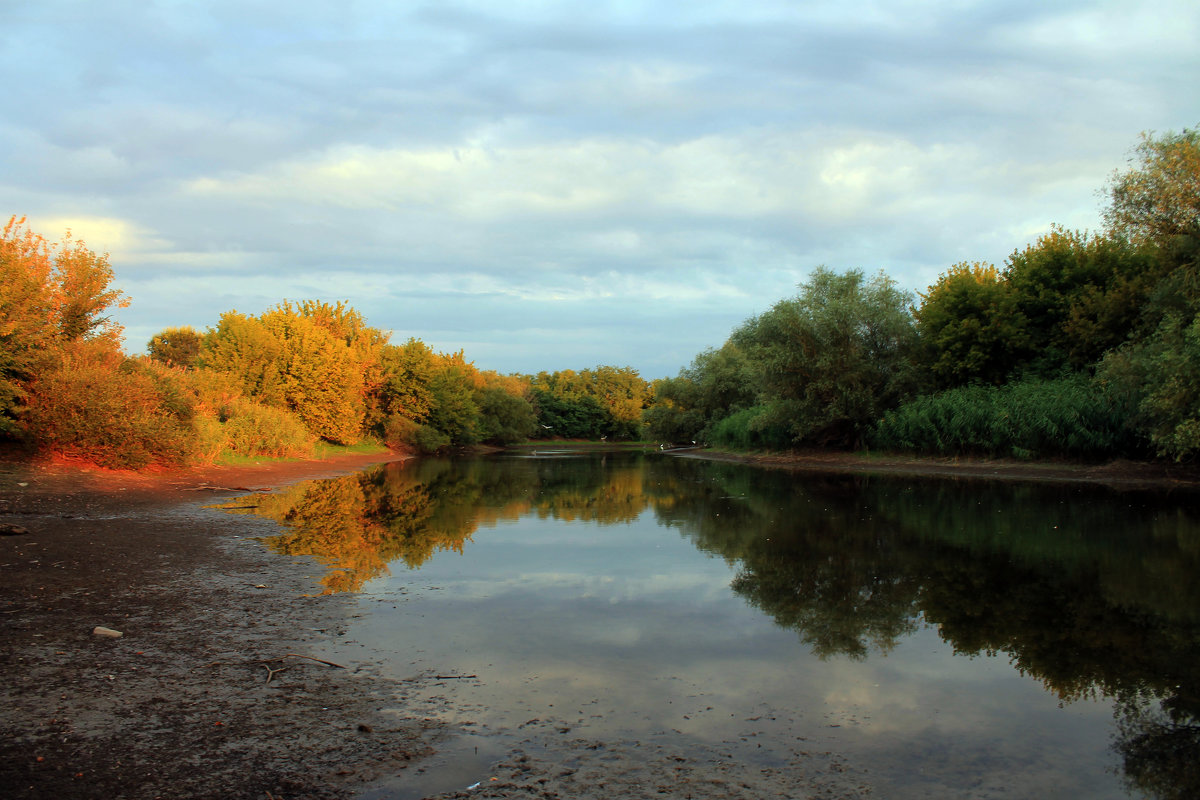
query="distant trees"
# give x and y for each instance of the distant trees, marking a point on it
(601, 402)
(267, 385)
(717, 384)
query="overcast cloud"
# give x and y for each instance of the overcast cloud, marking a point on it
(551, 185)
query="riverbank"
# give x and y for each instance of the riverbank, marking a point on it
(1115, 474)
(214, 688)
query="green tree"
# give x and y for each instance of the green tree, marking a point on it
(619, 392)
(674, 415)
(176, 347)
(1156, 202)
(453, 410)
(505, 418)
(969, 327)
(833, 359)
(1079, 295)
(407, 371)
(718, 383)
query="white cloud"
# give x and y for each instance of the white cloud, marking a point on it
(619, 177)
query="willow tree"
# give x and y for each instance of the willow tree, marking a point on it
(830, 361)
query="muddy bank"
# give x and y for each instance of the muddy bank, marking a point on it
(205, 694)
(1115, 474)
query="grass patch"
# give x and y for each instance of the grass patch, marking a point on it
(367, 447)
(321, 450)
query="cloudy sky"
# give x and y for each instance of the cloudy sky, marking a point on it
(553, 185)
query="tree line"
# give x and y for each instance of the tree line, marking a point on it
(274, 384)
(1084, 345)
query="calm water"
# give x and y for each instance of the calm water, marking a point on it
(952, 638)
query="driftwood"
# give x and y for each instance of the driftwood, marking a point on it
(297, 655)
(271, 672)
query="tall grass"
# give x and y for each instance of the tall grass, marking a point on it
(749, 429)
(1070, 417)
(256, 430)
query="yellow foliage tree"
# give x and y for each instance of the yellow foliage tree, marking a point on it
(51, 296)
(320, 378)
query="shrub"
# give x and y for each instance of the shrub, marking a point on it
(209, 439)
(252, 429)
(751, 429)
(401, 433)
(96, 405)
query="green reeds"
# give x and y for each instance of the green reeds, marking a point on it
(1071, 417)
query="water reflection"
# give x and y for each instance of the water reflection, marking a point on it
(1090, 592)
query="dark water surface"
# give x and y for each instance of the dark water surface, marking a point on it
(952, 638)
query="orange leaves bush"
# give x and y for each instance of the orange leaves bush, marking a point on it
(96, 405)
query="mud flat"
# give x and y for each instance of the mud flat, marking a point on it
(227, 680)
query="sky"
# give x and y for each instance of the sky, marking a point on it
(553, 185)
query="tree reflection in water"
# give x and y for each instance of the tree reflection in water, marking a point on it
(1090, 592)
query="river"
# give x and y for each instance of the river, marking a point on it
(911, 637)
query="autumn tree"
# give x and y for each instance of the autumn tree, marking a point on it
(244, 347)
(364, 342)
(52, 295)
(83, 298)
(95, 404)
(311, 359)
(1157, 199)
(320, 377)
